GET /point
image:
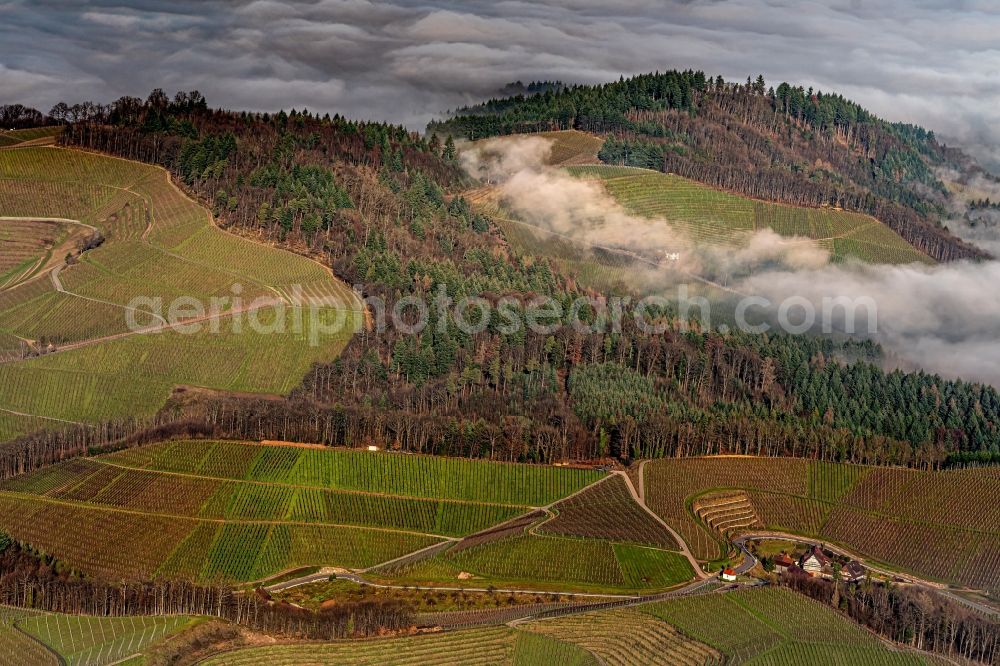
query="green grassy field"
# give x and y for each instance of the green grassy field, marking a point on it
(204, 510)
(941, 525)
(159, 245)
(33, 638)
(708, 215)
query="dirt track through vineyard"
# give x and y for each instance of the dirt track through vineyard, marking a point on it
(677, 537)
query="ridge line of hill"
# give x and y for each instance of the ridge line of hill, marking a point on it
(782, 145)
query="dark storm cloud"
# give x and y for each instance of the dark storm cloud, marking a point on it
(935, 62)
(932, 62)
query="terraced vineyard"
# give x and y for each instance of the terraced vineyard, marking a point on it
(941, 525)
(35, 638)
(712, 216)
(777, 626)
(258, 337)
(726, 512)
(238, 511)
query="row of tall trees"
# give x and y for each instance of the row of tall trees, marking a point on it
(601, 108)
(913, 616)
(30, 579)
(19, 116)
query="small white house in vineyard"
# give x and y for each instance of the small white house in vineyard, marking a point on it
(815, 563)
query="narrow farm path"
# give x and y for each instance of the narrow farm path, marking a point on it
(25, 275)
(358, 304)
(179, 325)
(415, 556)
(30, 143)
(306, 579)
(57, 283)
(573, 494)
(38, 416)
(688, 590)
(351, 297)
(549, 514)
(642, 481)
(57, 658)
(677, 537)
(52, 261)
(434, 549)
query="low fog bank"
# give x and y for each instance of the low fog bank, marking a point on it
(979, 226)
(582, 211)
(944, 318)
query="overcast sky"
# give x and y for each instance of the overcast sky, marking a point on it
(935, 62)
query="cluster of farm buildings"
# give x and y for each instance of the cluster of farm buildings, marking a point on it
(815, 563)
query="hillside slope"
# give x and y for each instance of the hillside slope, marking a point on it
(786, 145)
(373, 201)
(941, 525)
(707, 215)
(80, 348)
(699, 213)
(202, 510)
(747, 626)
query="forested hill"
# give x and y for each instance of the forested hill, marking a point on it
(784, 144)
(380, 206)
